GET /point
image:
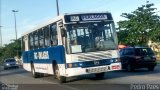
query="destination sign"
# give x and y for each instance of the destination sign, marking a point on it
(74, 18)
(93, 17)
(88, 17)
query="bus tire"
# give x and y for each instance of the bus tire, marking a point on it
(99, 75)
(34, 74)
(62, 79)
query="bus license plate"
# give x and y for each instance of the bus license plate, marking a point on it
(96, 70)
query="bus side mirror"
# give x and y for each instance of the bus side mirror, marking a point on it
(64, 33)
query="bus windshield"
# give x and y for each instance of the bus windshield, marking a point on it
(91, 37)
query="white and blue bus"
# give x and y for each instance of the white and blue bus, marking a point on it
(71, 45)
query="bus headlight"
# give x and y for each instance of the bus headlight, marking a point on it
(111, 61)
(114, 60)
(80, 64)
(117, 60)
(72, 65)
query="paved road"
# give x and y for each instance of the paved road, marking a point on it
(115, 79)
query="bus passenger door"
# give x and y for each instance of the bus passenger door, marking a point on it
(59, 26)
(25, 48)
(26, 44)
(61, 41)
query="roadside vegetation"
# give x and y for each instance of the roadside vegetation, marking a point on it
(10, 50)
(140, 26)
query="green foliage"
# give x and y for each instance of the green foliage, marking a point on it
(10, 50)
(140, 26)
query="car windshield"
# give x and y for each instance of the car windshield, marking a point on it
(10, 60)
(144, 51)
(90, 37)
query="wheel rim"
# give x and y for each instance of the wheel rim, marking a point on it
(33, 71)
(57, 74)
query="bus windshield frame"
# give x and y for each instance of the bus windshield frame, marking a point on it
(91, 37)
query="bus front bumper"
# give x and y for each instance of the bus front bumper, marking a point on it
(98, 69)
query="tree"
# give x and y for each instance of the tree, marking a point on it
(10, 50)
(140, 26)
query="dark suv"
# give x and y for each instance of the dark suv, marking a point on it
(137, 57)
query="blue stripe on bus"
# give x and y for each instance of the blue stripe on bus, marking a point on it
(55, 53)
(92, 63)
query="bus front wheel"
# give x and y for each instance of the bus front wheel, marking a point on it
(62, 79)
(34, 74)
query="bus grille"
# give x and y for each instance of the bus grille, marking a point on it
(94, 56)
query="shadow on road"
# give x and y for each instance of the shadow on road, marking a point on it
(12, 72)
(108, 75)
(119, 74)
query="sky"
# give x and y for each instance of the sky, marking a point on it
(33, 12)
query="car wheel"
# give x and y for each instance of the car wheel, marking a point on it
(34, 74)
(130, 68)
(61, 79)
(99, 75)
(151, 68)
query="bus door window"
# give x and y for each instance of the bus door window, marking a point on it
(24, 43)
(63, 35)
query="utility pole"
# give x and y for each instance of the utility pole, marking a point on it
(0, 37)
(1, 45)
(14, 12)
(57, 7)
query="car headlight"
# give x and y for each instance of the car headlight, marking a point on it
(7, 64)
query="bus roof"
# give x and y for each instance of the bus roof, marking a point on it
(57, 19)
(43, 24)
(85, 13)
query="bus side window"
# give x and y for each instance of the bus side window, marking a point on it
(31, 39)
(54, 42)
(36, 40)
(41, 38)
(46, 34)
(23, 43)
(53, 35)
